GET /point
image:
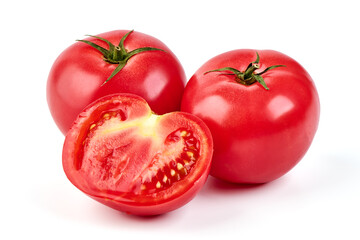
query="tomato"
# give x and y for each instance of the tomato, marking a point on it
(114, 62)
(262, 109)
(123, 155)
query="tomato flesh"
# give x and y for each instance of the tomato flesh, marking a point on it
(119, 150)
(165, 169)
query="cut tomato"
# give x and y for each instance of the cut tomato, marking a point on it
(124, 156)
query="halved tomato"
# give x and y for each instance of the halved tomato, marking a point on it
(123, 155)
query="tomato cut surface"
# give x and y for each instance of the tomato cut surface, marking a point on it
(121, 154)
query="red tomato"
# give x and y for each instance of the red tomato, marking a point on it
(121, 154)
(78, 76)
(259, 134)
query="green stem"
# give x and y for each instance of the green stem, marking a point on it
(250, 71)
(249, 76)
(117, 54)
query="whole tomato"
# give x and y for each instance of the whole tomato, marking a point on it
(262, 109)
(114, 62)
(123, 155)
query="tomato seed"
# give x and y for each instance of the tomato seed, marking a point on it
(179, 166)
(159, 176)
(183, 133)
(165, 179)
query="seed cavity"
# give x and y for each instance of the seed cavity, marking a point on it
(162, 172)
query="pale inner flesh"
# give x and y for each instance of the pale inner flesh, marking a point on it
(132, 156)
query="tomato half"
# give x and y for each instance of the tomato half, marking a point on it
(123, 155)
(262, 109)
(81, 73)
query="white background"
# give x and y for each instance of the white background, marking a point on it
(318, 199)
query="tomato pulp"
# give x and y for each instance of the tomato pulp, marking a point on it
(80, 74)
(121, 154)
(259, 134)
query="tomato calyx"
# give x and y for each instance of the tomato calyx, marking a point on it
(249, 76)
(117, 54)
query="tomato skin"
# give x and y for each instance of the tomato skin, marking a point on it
(76, 77)
(259, 135)
(157, 209)
(159, 202)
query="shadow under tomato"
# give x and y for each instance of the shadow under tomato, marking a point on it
(217, 186)
(213, 187)
(144, 218)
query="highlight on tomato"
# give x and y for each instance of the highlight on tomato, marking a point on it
(118, 61)
(123, 155)
(262, 108)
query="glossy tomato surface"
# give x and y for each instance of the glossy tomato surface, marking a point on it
(121, 154)
(77, 77)
(259, 134)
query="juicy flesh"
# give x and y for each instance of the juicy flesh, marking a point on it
(131, 156)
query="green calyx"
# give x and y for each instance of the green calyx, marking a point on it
(249, 76)
(117, 54)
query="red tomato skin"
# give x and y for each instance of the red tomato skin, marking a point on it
(173, 198)
(76, 77)
(158, 209)
(259, 135)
